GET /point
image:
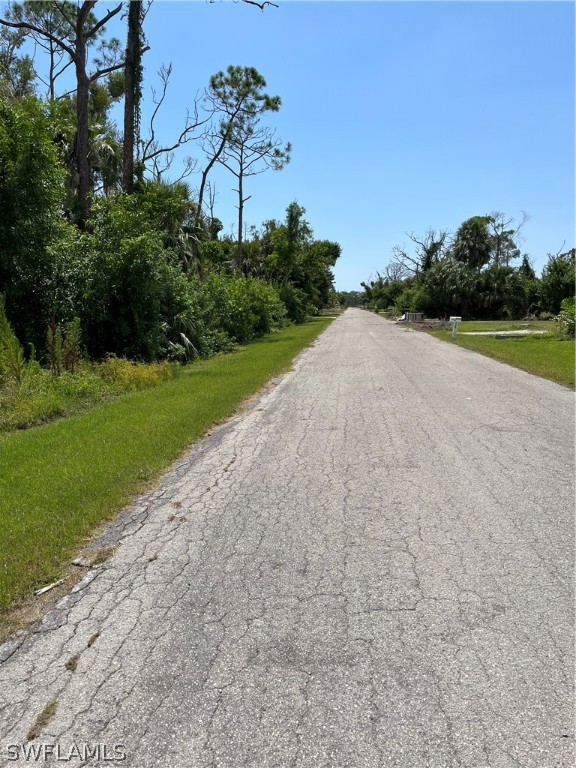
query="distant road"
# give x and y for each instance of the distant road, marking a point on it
(371, 567)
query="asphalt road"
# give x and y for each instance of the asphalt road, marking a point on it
(371, 567)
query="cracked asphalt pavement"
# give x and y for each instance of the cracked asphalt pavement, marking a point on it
(373, 566)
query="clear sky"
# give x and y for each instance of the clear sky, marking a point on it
(402, 115)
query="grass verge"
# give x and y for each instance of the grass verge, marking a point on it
(507, 325)
(58, 481)
(548, 356)
(41, 397)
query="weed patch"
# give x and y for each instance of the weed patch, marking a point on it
(42, 720)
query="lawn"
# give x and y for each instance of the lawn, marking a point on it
(548, 356)
(58, 481)
(507, 325)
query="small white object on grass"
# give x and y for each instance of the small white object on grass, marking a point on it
(454, 320)
(49, 587)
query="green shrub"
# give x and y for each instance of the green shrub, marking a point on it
(413, 297)
(31, 195)
(558, 280)
(126, 375)
(122, 282)
(12, 360)
(267, 308)
(295, 301)
(243, 308)
(566, 319)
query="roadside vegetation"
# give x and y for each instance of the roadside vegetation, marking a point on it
(59, 480)
(480, 274)
(129, 320)
(110, 241)
(471, 326)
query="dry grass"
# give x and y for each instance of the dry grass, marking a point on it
(42, 720)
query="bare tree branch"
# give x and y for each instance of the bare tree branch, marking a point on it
(105, 71)
(103, 20)
(430, 247)
(395, 271)
(152, 151)
(260, 5)
(33, 28)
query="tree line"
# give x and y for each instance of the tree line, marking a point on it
(97, 233)
(477, 272)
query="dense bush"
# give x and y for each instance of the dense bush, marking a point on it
(413, 298)
(566, 319)
(122, 282)
(143, 277)
(31, 193)
(558, 280)
(244, 308)
(295, 302)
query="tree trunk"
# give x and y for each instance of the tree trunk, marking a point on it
(240, 219)
(51, 78)
(131, 98)
(82, 134)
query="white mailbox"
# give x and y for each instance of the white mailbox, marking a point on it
(454, 320)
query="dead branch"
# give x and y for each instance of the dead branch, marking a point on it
(161, 157)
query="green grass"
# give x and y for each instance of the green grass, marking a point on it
(58, 481)
(548, 356)
(41, 397)
(507, 325)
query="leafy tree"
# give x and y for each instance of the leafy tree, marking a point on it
(350, 298)
(316, 278)
(218, 254)
(501, 293)
(558, 280)
(531, 285)
(450, 286)
(17, 73)
(412, 298)
(473, 243)
(127, 286)
(287, 241)
(484, 239)
(383, 293)
(78, 29)
(31, 193)
(526, 270)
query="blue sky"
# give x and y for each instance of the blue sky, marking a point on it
(402, 115)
